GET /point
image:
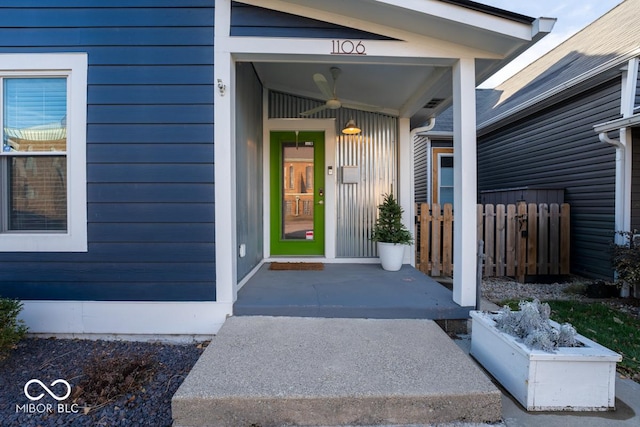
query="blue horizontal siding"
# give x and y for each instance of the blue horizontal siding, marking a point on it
(149, 149)
(106, 272)
(109, 252)
(91, 37)
(133, 233)
(105, 17)
(151, 75)
(116, 4)
(179, 151)
(150, 193)
(151, 212)
(153, 134)
(150, 173)
(156, 94)
(149, 114)
(109, 291)
(247, 20)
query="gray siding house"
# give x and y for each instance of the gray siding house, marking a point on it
(571, 120)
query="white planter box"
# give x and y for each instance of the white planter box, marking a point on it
(571, 379)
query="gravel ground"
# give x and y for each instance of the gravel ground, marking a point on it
(500, 289)
(50, 359)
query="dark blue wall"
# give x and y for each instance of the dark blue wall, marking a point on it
(247, 20)
(149, 149)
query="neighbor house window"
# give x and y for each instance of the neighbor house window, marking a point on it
(42, 163)
(445, 179)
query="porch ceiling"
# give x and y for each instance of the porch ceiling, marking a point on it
(392, 87)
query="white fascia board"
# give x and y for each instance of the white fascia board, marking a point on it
(419, 47)
(472, 18)
(617, 124)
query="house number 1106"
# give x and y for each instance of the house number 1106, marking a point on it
(348, 47)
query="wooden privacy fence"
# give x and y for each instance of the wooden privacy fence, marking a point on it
(519, 240)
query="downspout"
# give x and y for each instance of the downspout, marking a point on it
(412, 210)
(620, 207)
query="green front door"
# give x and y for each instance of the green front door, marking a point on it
(297, 193)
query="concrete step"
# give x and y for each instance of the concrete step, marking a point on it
(275, 371)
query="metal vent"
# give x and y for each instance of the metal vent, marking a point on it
(433, 103)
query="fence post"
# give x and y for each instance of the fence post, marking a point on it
(521, 239)
(489, 239)
(554, 241)
(436, 220)
(479, 273)
(543, 241)
(447, 240)
(500, 240)
(532, 238)
(565, 239)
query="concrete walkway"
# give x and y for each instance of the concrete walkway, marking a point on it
(273, 371)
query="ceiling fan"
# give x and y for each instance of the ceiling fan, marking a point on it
(332, 101)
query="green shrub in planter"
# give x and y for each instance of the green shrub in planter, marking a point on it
(389, 227)
(12, 329)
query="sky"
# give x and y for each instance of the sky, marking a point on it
(572, 15)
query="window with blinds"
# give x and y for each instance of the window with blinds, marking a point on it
(33, 164)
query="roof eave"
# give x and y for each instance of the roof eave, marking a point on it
(602, 70)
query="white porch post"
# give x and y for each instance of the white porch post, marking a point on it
(405, 191)
(224, 159)
(465, 182)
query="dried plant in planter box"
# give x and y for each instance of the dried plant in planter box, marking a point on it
(531, 324)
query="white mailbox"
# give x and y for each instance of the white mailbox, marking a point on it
(350, 174)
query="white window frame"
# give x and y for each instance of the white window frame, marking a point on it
(74, 67)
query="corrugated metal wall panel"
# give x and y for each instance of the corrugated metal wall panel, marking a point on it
(374, 151)
(557, 147)
(421, 164)
(249, 194)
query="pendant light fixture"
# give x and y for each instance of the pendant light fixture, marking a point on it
(351, 128)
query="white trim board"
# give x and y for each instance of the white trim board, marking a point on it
(130, 318)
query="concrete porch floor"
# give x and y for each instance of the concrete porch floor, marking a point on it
(347, 291)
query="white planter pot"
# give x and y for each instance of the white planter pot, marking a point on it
(571, 379)
(391, 255)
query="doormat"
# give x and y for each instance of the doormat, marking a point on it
(296, 266)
